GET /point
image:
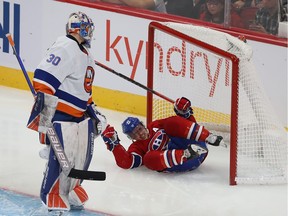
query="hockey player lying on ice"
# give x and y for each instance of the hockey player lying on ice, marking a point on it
(173, 144)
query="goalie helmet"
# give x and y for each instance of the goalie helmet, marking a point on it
(81, 24)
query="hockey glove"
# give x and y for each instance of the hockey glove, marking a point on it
(182, 107)
(98, 119)
(110, 137)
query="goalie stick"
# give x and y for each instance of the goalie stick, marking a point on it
(54, 139)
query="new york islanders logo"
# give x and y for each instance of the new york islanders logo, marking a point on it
(89, 77)
(159, 141)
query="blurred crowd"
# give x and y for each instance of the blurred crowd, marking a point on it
(255, 15)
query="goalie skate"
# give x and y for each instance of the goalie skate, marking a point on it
(56, 212)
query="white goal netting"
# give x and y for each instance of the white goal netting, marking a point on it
(217, 74)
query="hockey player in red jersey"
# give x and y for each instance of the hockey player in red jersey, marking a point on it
(173, 144)
(65, 77)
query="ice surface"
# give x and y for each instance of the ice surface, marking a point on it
(202, 192)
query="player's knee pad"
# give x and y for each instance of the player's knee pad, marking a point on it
(78, 196)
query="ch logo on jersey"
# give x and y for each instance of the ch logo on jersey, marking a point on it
(89, 77)
(159, 140)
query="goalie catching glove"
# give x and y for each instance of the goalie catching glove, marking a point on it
(182, 107)
(110, 137)
(98, 119)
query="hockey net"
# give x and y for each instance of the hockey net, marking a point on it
(215, 71)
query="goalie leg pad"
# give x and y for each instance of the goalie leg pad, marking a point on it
(86, 144)
(56, 199)
(78, 140)
(57, 202)
(78, 196)
(55, 184)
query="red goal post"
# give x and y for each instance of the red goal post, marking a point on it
(215, 71)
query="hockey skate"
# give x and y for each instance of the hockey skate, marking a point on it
(214, 140)
(198, 149)
(194, 151)
(56, 212)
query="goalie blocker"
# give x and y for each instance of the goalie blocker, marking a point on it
(42, 112)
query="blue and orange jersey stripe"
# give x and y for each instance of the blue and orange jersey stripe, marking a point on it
(67, 103)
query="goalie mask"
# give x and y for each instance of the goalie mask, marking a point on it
(81, 24)
(134, 129)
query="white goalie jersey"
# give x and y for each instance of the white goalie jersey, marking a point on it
(67, 72)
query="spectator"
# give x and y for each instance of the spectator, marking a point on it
(214, 12)
(156, 5)
(257, 3)
(238, 5)
(267, 18)
(185, 8)
(284, 10)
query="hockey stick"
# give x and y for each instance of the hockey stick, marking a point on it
(142, 86)
(54, 139)
(133, 81)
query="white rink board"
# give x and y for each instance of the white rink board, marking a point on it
(41, 22)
